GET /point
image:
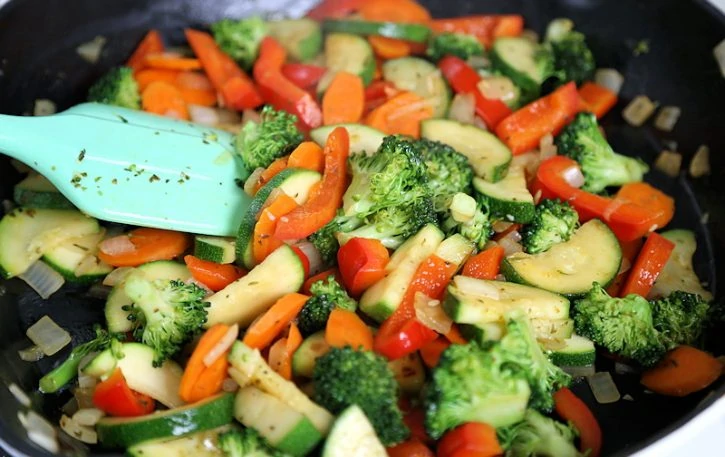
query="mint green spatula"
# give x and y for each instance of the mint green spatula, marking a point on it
(131, 167)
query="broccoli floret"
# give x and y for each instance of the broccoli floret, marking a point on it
(260, 143)
(117, 87)
(240, 38)
(247, 443)
(68, 370)
(469, 218)
(679, 318)
(345, 377)
(456, 44)
(326, 295)
(166, 313)
(622, 326)
(448, 172)
(326, 243)
(554, 222)
(601, 166)
(520, 346)
(539, 436)
(573, 59)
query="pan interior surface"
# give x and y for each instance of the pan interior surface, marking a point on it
(38, 59)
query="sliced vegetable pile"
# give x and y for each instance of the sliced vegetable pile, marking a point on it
(440, 240)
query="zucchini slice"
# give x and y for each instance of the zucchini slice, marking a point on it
(409, 32)
(363, 139)
(35, 191)
(508, 199)
(302, 38)
(421, 77)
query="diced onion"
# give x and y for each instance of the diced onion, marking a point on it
(80, 432)
(559, 27)
(230, 385)
(511, 243)
(609, 78)
(251, 183)
(31, 354)
(603, 387)
(625, 265)
(40, 431)
(117, 245)
(84, 397)
(667, 118)
(44, 107)
(547, 148)
(669, 163)
(529, 161)
(313, 256)
(579, 371)
(88, 416)
(222, 346)
(19, 394)
(212, 117)
(700, 163)
(573, 176)
(639, 110)
(48, 335)
(501, 226)
(431, 314)
(463, 108)
(480, 123)
(719, 53)
(90, 51)
(42, 279)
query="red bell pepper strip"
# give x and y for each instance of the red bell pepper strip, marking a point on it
(628, 218)
(485, 264)
(410, 448)
(150, 44)
(304, 76)
(570, 408)
(431, 352)
(303, 258)
(486, 28)
(473, 439)
(114, 397)
(414, 418)
(464, 80)
(236, 88)
(321, 206)
(402, 333)
(362, 263)
(522, 131)
(215, 276)
(377, 93)
(327, 9)
(630, 250)
(279, 91)
(597, 99)
(648, 266)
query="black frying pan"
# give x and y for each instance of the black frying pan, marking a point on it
(38, 60)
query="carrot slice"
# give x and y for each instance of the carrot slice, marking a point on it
(344, 99)
(199, 97)
(321, 277)
(149, 75)
(265, 329)
(195, 367)
(210, 381)
(279, 359)
(150, 44)
(164, 99)
(389, 48)
(307, 155)
(683, 370)
(270, 172)
(397, 11)
(401, 114)
(345, 328)
(294, 339)
(213, 275)
(264, 242)
(168, 61)
(149, 244)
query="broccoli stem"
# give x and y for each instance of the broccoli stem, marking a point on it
(65, 372)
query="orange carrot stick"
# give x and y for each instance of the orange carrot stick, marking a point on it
(344, 99)
(389, 48)
(270, 172)
(265, 329)
(164, 99)
(397, 11)
(199, 96)
(294, 338)
(401, 114)
(211, 379)
(307, 155)
(150, 44)
(279, 359)
(683, 370)
(168, 61)
(264, 242)
(345, 328)
(195, 367)
(149, 244)
(149, 75)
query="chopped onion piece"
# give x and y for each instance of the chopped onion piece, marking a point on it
(84, 397)
(719, 53)
(42, 279)
(497, 88)
(603, 387)
(529, 161)
(609, 78)
(480, 123)
(574, 177)
(667, 118)
(222, 346)
(75, 430)
(547, 148)
(579, 371)
(44, 107)
(501, 226)
(48, 335)
(700, 163)
(117, 245)
(511, 243)
(88, 416)
(463, 108)
(19, 394)
(639, 110)
(251, 183)
(669, 163)
(40, 431)
(90, 51)
(559, 27)
(431, 314)
(313, 256)
(230, 385)
(31, 354)
(212, 117)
